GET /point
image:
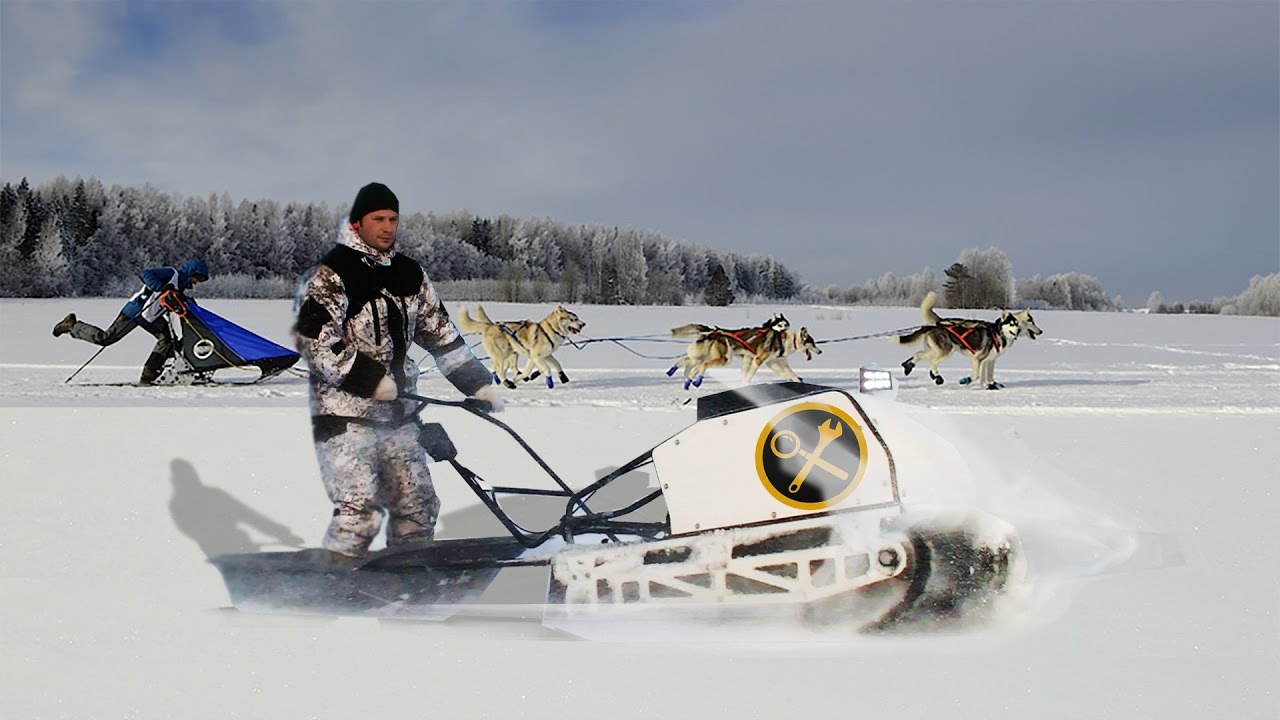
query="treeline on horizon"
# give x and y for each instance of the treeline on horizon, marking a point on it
(79, 238)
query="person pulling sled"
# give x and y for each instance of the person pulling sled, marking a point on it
(146, 309)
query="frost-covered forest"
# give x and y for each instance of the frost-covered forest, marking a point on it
(79, 238)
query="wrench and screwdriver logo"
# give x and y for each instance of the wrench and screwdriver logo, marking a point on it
(811, 455)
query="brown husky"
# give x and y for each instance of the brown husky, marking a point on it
(507, 342)
(768, 345)
(983, 340)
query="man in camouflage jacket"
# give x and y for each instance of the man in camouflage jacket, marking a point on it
(357, 312)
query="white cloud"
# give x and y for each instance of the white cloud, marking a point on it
(795, 129)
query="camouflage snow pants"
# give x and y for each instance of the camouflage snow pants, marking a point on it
(166, 344)
(369, 471)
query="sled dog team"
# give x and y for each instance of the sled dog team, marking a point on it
(766, 345)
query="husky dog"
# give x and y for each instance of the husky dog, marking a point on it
(983, 340)
(768, 344)
(777, 322)
(793, 341)
(507, 342)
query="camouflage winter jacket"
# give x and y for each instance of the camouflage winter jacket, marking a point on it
(357, 312)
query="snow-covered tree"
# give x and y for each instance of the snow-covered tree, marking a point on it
(263, 245)
(511, 281)
(781, 283)
(633, 274)
(540, 248)
(1155, 302)
(1064, 291)
(719, 293)
(103, 265)
(49, 261)
(745, 274)
(570, 284)
(698, 262)
(13, 230)
(312, 229)
(987, 280)
(1261, 298)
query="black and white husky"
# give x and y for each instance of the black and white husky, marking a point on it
(766, 345)
(983, 340)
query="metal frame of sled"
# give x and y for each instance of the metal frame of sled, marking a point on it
(208, 343)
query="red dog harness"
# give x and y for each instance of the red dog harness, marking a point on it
(754, 334)
(995, 336)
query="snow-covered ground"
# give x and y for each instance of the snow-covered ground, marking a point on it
(1164, 427)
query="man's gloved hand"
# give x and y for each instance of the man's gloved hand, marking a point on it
(386, 390)
(486, 399)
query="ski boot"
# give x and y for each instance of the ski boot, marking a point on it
(64, 326)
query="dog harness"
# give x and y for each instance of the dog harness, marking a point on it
(755, 333)
(520, 342)
(960, 336)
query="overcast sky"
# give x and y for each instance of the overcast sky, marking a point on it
(1138, 142)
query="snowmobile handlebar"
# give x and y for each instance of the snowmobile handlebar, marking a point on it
(472, 404)
(480, 408)
(578, 516)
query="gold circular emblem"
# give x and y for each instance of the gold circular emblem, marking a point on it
(811, 456)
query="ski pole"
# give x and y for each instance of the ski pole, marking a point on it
(86, 364)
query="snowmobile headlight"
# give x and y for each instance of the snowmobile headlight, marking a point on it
(875, 380)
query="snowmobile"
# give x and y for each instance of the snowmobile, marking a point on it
(789, 499)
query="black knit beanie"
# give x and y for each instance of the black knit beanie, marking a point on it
(374, 196)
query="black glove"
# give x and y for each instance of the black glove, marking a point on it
(474, 403)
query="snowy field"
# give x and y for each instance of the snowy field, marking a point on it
(1159, 428)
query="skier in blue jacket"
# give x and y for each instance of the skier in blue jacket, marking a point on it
(143, 310)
